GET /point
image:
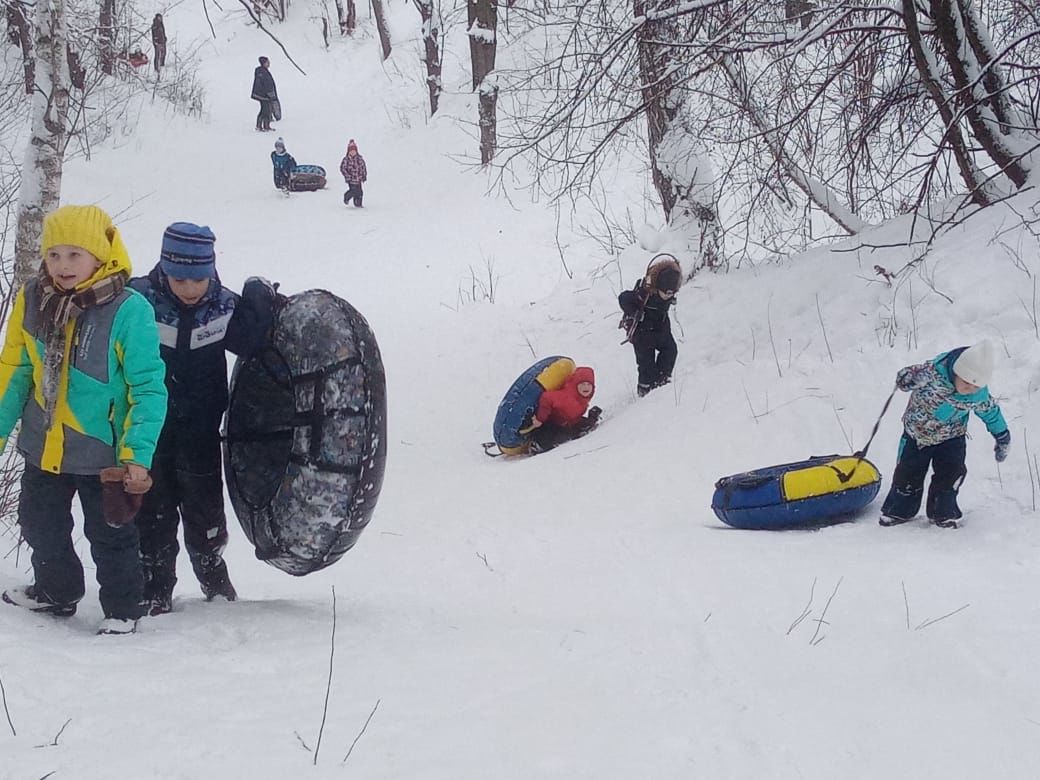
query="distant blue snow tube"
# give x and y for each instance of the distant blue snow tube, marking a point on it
(521, 400)
(814, 491)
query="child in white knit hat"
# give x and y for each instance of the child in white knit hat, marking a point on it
(942, 394)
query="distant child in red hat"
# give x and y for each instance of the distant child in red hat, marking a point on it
(560, 415)
(355, 173)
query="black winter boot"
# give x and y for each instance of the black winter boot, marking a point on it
(213, 577)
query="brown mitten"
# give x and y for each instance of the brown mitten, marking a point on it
(121, 497)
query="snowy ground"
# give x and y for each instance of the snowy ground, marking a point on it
(582, 614)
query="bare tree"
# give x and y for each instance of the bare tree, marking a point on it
(41, 173)
(107, 35)
(381, 26)
(19, 33)
(431, 33)
(799, 108)
(350, 23)
(681, 171)
(483, 47)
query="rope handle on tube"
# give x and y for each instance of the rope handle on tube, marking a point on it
(862, 454)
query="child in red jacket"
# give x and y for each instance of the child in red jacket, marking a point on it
(561, 415)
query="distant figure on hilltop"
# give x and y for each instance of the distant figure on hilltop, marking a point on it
(355, 173)
(265, 92)
(159, 42)
(283, 163)
(647, 325)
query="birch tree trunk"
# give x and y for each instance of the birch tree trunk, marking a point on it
(381, 26)
(107, 36)
(432, 55)
(41, 172)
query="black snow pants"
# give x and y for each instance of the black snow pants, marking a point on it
(948, 472)
(263, 119)
(45, 516)
(355, 192)
(656, 352)
(547, 436)
(187, 486)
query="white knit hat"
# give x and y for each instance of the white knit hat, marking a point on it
(975, 364)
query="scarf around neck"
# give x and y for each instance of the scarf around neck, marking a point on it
(58, 308)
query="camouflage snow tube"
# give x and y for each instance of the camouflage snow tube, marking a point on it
(305, 438)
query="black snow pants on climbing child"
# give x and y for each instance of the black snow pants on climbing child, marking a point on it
(948, 472)
(656, 352)
(187, 486)
(45, 517)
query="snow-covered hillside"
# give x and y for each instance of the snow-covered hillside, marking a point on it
(582, 614)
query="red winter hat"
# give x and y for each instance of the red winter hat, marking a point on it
(351, 145)
(584, 374)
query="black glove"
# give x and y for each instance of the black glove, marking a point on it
(594, 414)
(1003, 443)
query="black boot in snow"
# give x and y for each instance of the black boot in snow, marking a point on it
(159, 604)
(947, 523)
(28, 598)
(213, 577)
(887, 520)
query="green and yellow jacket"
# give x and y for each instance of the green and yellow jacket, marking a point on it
(111, 400)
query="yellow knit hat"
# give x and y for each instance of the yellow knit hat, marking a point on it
(87, 227)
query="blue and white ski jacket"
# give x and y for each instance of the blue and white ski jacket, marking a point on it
(936, 412)
(192, 340)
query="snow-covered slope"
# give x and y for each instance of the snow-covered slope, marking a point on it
(581, 614)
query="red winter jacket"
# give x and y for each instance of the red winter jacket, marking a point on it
(564, 407)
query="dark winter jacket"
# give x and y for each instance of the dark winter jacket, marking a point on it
(936, 412)
(158, 31)
(284, 164)
(354, 169)
(566, 407)
(192, 340)
(263, 84)
(648, 307)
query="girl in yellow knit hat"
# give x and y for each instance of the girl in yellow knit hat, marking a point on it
(80, 369)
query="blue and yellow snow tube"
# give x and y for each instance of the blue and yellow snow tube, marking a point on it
(818, 490)
(520, 402)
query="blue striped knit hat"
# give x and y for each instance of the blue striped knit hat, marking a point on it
(187, 251)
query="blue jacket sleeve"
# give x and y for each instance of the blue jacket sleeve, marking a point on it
(991, 415)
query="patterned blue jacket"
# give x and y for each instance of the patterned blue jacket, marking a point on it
(936, 412)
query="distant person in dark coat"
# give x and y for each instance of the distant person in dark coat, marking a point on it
(264, 91)
(159, 41)
(355, 173)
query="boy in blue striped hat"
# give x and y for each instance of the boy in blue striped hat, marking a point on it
(198, 320)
